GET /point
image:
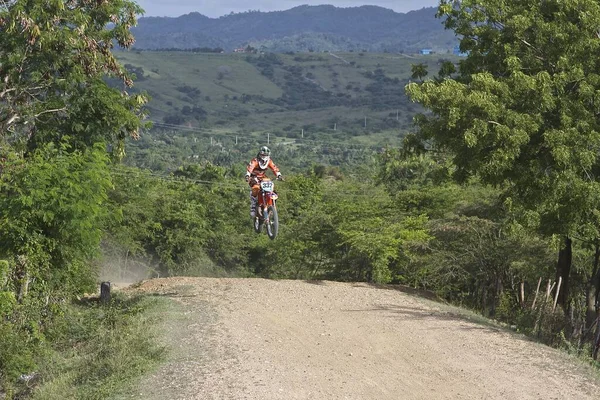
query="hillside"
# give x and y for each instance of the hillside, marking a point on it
(302, 28)
(329, 95)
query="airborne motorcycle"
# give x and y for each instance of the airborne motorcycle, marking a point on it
(266, 209)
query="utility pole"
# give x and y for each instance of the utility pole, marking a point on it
(236, 140)
(302, 133)
(365, 122)
(397, 115)
(211, 141)
(335, 126)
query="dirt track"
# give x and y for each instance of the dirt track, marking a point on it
(261, 339)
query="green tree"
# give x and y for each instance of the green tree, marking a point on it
(191, 223)
(366, 237)
(57, 115)
(419, 71)
(297, 253)
(52, 217)
(447, 69)
(54, 57)
(522, 111)
(51, 220)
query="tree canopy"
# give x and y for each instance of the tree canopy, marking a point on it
(53, 59)
(521, 113)
(522, 110)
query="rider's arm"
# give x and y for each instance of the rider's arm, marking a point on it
(253, 164)
(274, 168)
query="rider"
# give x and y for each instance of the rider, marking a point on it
(255, 172)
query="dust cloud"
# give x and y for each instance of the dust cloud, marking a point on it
(124, 271)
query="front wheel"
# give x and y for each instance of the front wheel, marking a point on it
(273, 222)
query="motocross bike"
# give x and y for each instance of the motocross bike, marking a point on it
(266, 209)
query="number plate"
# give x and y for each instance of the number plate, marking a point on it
(267, 186)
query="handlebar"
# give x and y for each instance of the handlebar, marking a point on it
(255, 179)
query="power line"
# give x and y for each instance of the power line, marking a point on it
(270, 137)
(241, 187)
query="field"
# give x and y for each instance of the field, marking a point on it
(346, 96)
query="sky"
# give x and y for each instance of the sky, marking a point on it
(217, 8)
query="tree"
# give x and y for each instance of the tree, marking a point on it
(419, 71)
(54, 57)
(521, 113)
(57, 115)
(52, 218)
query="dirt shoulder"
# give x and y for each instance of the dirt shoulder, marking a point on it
(263, 339)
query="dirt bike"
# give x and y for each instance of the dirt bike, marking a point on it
(266, 209)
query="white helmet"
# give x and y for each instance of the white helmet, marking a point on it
(264, 155)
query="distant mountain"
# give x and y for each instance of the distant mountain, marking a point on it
(316, 28)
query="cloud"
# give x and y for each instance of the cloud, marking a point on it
(215, 8)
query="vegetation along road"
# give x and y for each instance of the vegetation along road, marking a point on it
(268, 339)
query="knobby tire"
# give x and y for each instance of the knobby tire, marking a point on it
(273, 225)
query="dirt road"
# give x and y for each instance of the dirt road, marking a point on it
(261, 339)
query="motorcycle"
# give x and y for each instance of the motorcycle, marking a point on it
(266, 209)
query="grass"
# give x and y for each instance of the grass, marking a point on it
(103, 350)
(165, 71)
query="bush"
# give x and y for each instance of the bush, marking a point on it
(16, 357)
(97, 349)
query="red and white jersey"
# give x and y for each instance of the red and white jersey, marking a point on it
(254, 168)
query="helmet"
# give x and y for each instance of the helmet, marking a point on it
(264, 154)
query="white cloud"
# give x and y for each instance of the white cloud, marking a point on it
(216, 8)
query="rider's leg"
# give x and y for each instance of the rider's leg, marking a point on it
(253, 200)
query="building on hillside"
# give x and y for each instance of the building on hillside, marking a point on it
(426, 52)
(247, 49)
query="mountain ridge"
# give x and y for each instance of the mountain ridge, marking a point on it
(370, 28)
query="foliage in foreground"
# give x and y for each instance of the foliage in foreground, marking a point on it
(92, 351)
(58, 114)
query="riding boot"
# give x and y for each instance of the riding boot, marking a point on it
(253, 201)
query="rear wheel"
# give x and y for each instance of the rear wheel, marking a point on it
(273, 224)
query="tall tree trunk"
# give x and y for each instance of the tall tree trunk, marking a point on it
(563, 269)
(593, 291)
(497, 296)
(484, 292)
(22, 275)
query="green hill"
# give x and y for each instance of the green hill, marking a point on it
(325, 94)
